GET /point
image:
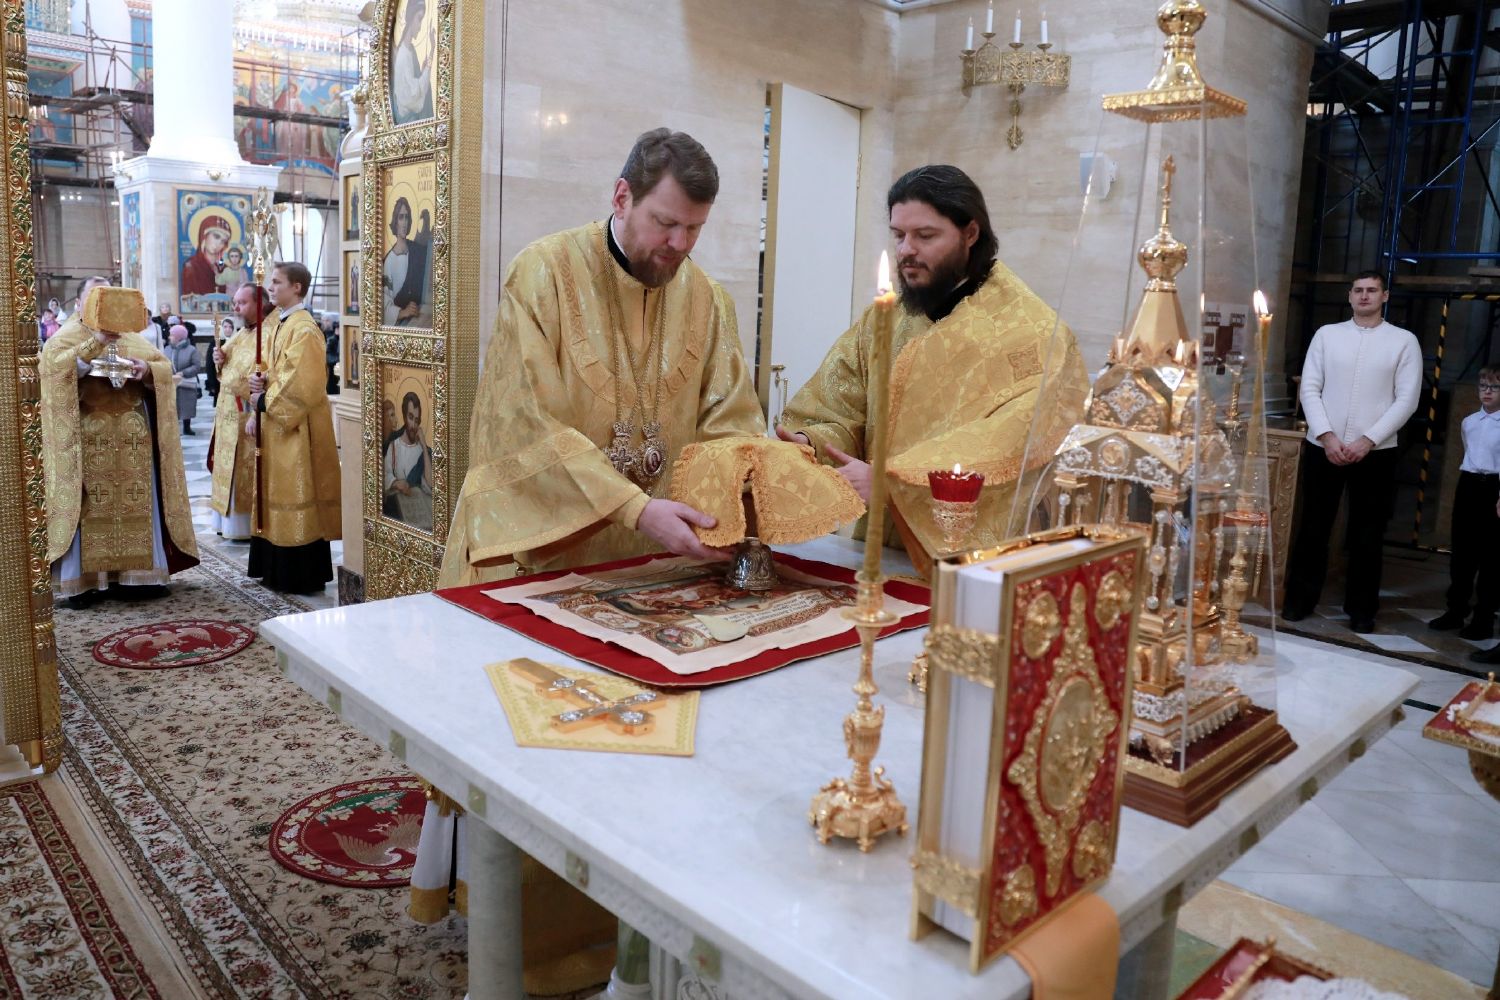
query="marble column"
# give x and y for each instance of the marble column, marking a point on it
(495, 967)
(192, 45)
(194, 148)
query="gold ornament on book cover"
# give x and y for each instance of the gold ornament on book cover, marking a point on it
(1029, 662)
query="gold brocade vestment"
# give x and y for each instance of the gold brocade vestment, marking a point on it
(98, 445)
(964, 390)
(540, 488)
(233, 449)
(299, 459)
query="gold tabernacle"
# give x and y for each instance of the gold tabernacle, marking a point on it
(1166, 445)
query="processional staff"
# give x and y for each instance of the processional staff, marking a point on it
(264, 246)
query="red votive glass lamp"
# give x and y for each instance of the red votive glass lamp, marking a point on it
(955, 504)
(955, 485)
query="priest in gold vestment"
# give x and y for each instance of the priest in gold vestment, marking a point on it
(974, 351)
(612, 352)
(231, 452)
(299, 473)
(117, 505)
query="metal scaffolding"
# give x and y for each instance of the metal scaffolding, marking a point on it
(1400, 176)
(91, 105)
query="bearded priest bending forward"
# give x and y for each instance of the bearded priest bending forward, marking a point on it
(981, 366)
(611, 353)
(117, 504)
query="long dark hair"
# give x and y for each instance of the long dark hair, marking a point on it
(958, 199)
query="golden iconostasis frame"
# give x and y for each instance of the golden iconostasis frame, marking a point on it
(402, 557)
(28, 654)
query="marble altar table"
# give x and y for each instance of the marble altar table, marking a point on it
(712, 856)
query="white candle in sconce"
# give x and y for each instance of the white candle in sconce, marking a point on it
(989, 18)
(1017, 38)
(1044, 27)
(969, 38)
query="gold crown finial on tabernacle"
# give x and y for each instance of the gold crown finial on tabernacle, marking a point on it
(1163, 256)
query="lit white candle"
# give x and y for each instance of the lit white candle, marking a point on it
(1044, 27)
(989, 18)
(969, 38)
(877, 415)
(1017, 38)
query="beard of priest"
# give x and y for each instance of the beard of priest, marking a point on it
(973, 351)
(299, 489)
(117, 504)
(232, 451)
(606, 333)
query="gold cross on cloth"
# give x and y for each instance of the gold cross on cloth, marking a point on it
(627, 716)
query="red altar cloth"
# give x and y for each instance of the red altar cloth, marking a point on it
(640, 668)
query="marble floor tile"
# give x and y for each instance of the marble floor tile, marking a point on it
(1439, 690)
(1449, 761)
(1397, 643)
(1472, 907)
(1389, 767)
(1309, 842)
(1416, 835)
(1382, 909)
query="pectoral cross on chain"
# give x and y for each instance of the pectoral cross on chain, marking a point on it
(626, 716)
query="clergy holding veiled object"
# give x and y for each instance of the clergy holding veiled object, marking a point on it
(232, 451)
(299, 466)
(117, 505)
(613, 351)
(974, 350)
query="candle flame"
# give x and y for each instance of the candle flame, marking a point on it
(883, 278)
(1261, 308)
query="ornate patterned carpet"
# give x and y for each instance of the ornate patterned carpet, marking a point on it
(60, 939)
(184, 772)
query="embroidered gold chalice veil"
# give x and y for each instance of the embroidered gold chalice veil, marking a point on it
(793, 498)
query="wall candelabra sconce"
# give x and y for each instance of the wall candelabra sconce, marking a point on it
(1015, 69)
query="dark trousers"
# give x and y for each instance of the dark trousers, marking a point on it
(1371, 483)
(1475, 540)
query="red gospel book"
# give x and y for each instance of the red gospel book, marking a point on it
(1028, 712)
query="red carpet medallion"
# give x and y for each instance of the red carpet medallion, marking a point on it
(161, 645)
(361, 834)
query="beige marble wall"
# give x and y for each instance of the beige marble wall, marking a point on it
(1034, 192)
(616, 70)
(703, 67)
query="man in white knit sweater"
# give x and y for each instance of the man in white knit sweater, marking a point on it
(1360, 384)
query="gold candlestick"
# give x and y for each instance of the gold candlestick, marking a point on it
(1248, 519)
(955, 519)
(865, 805)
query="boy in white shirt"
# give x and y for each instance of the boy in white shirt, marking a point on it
(1360, 383)
(1475, 536)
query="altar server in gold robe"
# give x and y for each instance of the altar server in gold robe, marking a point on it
(232, 451)
(299, 474)
(974, 350)
(613, 350)
(117, 505)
